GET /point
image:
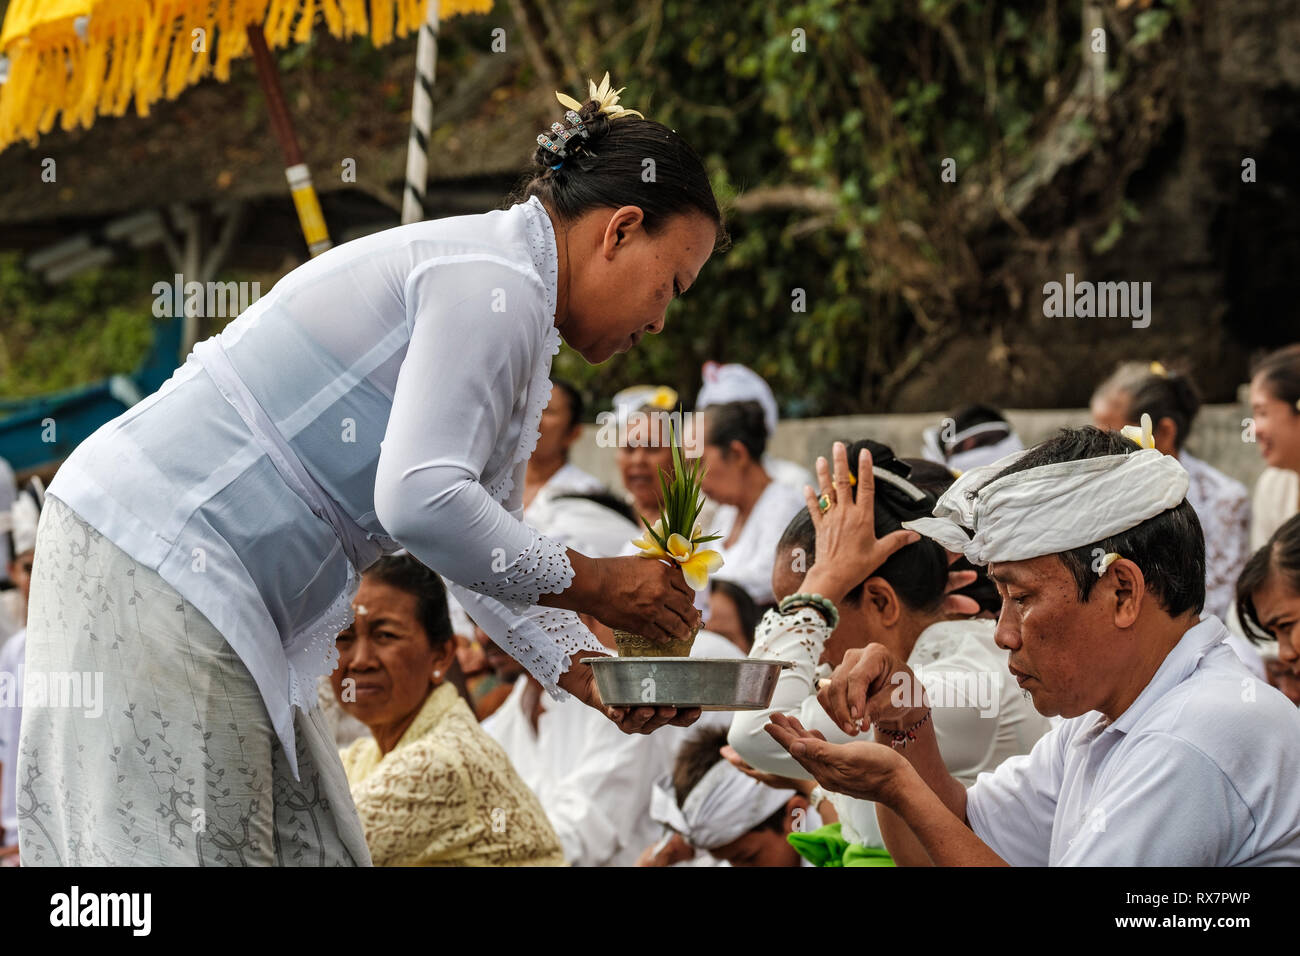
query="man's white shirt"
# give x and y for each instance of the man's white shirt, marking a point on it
(1200, 770)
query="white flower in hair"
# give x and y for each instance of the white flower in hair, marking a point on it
(606, 97)
(1140, 434)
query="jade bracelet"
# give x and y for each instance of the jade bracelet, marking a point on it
(821, 605)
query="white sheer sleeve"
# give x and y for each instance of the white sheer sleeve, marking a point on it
(541, 638)
(799, 637)
(477, 360)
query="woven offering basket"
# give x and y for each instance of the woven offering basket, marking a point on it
(634, 645)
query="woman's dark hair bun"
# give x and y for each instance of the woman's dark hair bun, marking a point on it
(580, 152)
(622, 161)
(901, 504)
(1172, 394)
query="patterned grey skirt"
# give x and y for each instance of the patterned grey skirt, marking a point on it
(144, 738)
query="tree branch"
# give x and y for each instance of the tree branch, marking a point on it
(767, 198)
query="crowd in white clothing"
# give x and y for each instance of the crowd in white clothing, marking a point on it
(731, 790)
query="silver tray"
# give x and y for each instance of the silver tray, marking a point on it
(709, 683)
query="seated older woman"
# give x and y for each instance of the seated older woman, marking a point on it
(431, 788)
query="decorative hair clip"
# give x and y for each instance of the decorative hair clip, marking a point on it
(557, 141)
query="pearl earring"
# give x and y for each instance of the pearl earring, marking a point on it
(437, 674)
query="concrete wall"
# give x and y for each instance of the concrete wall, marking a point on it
(1217, 437)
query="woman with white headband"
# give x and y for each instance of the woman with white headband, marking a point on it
(733, 382)
(973, 435)
(384, 395)
(753, 507)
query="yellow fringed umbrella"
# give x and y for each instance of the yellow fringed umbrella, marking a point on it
(83, 58)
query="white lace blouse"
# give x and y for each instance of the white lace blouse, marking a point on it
(383, 395)
(1223, 507)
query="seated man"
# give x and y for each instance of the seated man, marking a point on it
(1172, 753)
(891, 597)
(714, 807)
(594, 785)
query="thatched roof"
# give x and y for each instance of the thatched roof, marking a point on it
(215, 142)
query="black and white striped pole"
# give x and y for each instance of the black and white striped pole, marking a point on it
(417, 154)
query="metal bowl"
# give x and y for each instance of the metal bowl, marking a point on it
(705, 682)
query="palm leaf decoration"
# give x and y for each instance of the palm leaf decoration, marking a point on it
(682, 498)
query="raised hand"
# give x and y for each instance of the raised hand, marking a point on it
(848, 551)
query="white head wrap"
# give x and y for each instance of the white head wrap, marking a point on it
(724, 806)
(932, 448)
(638, 397)
(1052, 508)
(736, 383)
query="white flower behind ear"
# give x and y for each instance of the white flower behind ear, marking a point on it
(1142, 435)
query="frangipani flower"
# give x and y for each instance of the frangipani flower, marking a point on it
(1109, 558)
(606, 97)
(664, 397)
(696, 565)
(648, 546)
(1142, 435)
(682, 500)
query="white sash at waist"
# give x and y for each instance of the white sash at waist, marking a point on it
(362, 551)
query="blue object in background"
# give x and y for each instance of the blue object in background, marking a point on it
(77, 412)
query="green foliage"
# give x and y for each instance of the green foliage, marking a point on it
(1149, 26)
(855, 125)
(864, 118)
(682, 497)
(94, 325)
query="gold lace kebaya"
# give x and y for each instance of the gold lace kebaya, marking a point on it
(447, 795)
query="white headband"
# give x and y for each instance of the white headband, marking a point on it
(963, 461)
(724, 806)
(935, 450)
(1052, 508)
